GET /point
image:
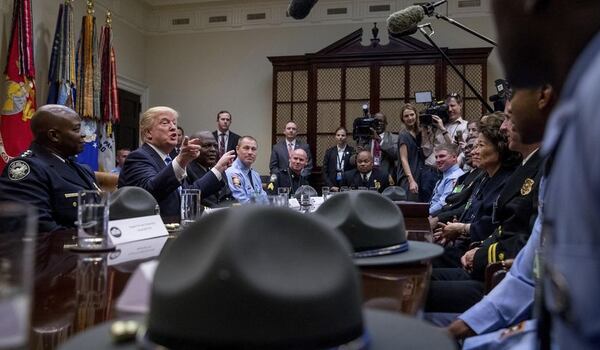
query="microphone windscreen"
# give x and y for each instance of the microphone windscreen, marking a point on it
(299, 9)
(405, 20)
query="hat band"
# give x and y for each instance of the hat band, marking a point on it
(394, 249)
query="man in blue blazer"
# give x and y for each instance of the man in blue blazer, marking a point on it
(281, 151)
(151, 168)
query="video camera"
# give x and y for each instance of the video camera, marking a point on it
(503, 95)
(362, 126)
(439, 108)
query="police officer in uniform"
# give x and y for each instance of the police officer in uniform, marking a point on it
(292, 176)
(244, 182)
(46, 176)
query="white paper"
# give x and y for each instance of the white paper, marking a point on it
(135, 229)
(138, 250)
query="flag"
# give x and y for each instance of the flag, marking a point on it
(61, 74)
(108, 98)
(87, 102)
(18, 90)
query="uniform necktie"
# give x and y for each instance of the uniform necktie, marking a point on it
(221, 144)
(365, 181)
(250, 177)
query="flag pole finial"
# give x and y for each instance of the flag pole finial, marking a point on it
(109, 18)
(90, 7)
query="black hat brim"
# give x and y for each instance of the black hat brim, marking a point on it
(387, 331)
(417, 251)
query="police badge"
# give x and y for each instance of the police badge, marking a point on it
(18, 170)
(527, 186)
(377, 184)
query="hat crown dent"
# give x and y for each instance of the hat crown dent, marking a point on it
(367, 219)
(261, 283)
(130, 202)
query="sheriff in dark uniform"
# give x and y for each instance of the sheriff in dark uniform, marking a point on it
(292, 176)
(365, 175)
(45, 175)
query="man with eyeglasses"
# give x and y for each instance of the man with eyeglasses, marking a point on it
(202, 165)
(152, 168)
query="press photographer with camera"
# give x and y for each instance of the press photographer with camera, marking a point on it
(370, 135)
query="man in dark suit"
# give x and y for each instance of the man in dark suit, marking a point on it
(200, 166)
(365, 175)
(292, 176)
(280, 155)
(151, 167)
(226, 139)
(337, 160)
(45, 176)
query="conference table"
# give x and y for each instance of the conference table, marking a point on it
(74, 291)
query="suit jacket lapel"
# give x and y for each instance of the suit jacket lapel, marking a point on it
(159, 163)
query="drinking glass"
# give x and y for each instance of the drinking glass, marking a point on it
(92, 220)
(190, 206)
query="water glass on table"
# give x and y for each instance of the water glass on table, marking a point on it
(17, 240)
(92, 220)
(325, 192)
(190, 206)
(284, 193)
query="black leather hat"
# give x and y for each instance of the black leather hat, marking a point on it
(394, 193)
(131, 202)
(264, 278)
(374, 225)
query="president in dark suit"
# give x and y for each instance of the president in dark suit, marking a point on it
(337, 160)
(151, 168)
(45, 176)
(281, 151)
(226, 139)
(365, 175)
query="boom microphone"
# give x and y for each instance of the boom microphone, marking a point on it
(299, 9)
(405, 21)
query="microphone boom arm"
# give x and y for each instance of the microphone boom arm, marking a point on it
(465, 28)
(447, 59)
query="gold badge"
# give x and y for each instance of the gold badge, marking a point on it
(236, 181)
(527, 186)
(271, 187)
(377, 184)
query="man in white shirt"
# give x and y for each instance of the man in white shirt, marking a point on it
(227, 140)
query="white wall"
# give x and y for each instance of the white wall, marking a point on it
(201, 73)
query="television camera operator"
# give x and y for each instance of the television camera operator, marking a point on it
(370, 135)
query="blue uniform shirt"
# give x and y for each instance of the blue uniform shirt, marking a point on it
(238, 179)
(572, 210)
(444, 188)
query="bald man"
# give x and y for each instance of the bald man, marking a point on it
(292, 176)
(45, 175)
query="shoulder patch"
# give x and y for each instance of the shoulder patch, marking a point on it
(527, 186)
(18, 170)
(236, 181)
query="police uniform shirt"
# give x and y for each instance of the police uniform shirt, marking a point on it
(48, 182)
(244, 182)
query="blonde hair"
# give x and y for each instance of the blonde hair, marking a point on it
(405, 107)
(149, 117)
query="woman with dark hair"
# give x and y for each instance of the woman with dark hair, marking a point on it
(337, 160)
(475, 224)
(412, 161)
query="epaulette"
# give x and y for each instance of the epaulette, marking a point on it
(28, 153)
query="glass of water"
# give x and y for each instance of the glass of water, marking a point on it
(17, 240)
(191, 208)
(92, 220)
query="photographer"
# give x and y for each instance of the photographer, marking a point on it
(382, 145)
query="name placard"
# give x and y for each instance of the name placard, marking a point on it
(138, 250)
(135, 229)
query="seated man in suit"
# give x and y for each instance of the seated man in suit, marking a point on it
(227, 140)
(280, 155)
(292, 176)
(200, 166)
(45, 176)
(244, 182)
(365, 175)
(151, 168)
